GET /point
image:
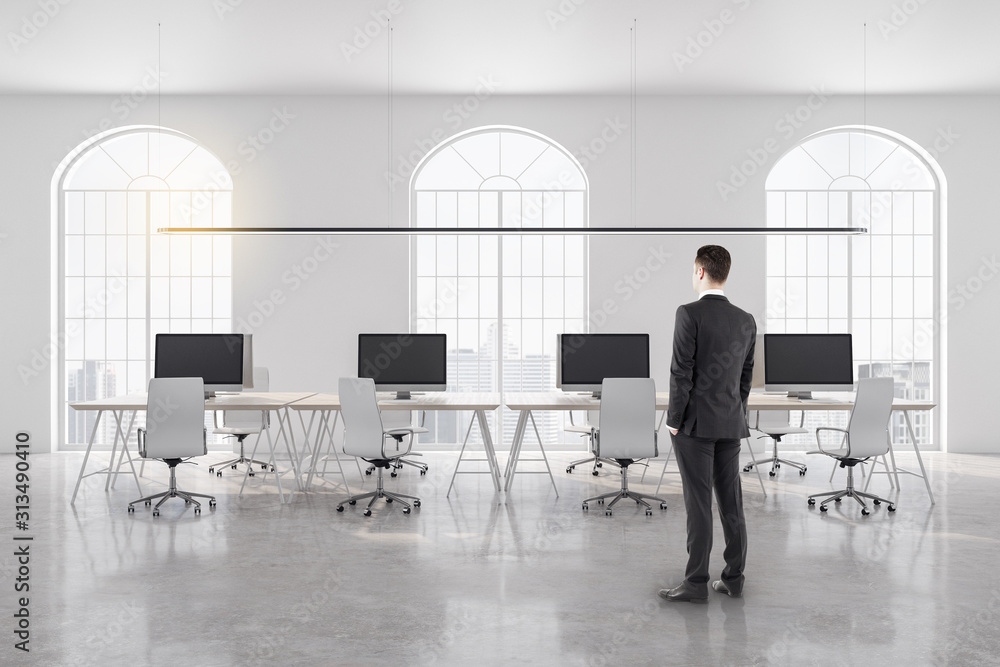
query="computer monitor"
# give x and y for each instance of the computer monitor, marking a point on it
(585, 360)
(404, 363)
(216, 358)
(803, 363)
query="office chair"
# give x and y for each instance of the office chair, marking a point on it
(774, 424)
(399, 463)
(866, 437)
(365, 437)
(627, 433)
(241, 423)
(175, 431)
(587, 429)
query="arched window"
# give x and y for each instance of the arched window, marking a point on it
(119, 282)
(501, 300)
(881, 287)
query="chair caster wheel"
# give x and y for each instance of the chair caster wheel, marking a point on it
(586, 507)
(187, 502)
(212, 503)
(367, 512)
(423, 472)
(416, 503)
(197, 511)
(876, 502)
(392, 474)
(649, 512)
(368, 472)
(218, 474)
(340, 508)
(233, 466)
(156, 512)
(812, 501)
(569, 471)
(607, 512)
(352, 502)
(388, 500)
(251, 474)
(771, 473)
(131, 509)
(600, 465)
(594, 473)
(264, 467)
(822, 508)
(600, 501)
(747, 468)
(865, 512)
(211, 470)
(802, 472)
(406, 510)
(663, 506)
(838, 500)
(891, 508)
(148, 503)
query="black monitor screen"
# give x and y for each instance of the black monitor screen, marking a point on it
(808, 359)
(215, 358)
(403, 359)
(587, 359)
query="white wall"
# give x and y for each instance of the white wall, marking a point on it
(326, 166)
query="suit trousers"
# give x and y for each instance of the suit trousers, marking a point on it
(707, 464)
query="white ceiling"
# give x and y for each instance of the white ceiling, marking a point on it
(524, 46)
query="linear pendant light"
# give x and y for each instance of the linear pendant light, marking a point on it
(513, 231)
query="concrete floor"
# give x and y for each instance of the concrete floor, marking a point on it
(479, 579)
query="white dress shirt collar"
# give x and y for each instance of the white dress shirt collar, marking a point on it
(716, 292)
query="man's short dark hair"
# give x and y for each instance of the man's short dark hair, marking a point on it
(715, 260)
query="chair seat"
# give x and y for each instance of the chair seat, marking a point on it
(233, 430)
(404, 431)
(836, 453)
(787, 430)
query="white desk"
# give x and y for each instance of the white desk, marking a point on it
(328, 405)
(118, 406)
(132, 404)
(525, 403)
(478, 403)
(774, 402)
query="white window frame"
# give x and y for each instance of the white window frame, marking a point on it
(927, 190)
(202, 191)
(551, 198)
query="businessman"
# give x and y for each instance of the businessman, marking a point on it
(710, 375)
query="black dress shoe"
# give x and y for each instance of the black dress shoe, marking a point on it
(683, 593)
(728, 589)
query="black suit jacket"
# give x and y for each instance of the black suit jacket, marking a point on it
(711, 369)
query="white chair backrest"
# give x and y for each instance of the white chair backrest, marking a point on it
(766, 419)
(175, 418)
(248, 418)
(868, 429)
(628, 418)
(363, 432)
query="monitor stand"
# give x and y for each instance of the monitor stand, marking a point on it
(403, 396)
(596, 394)
(801, 395)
